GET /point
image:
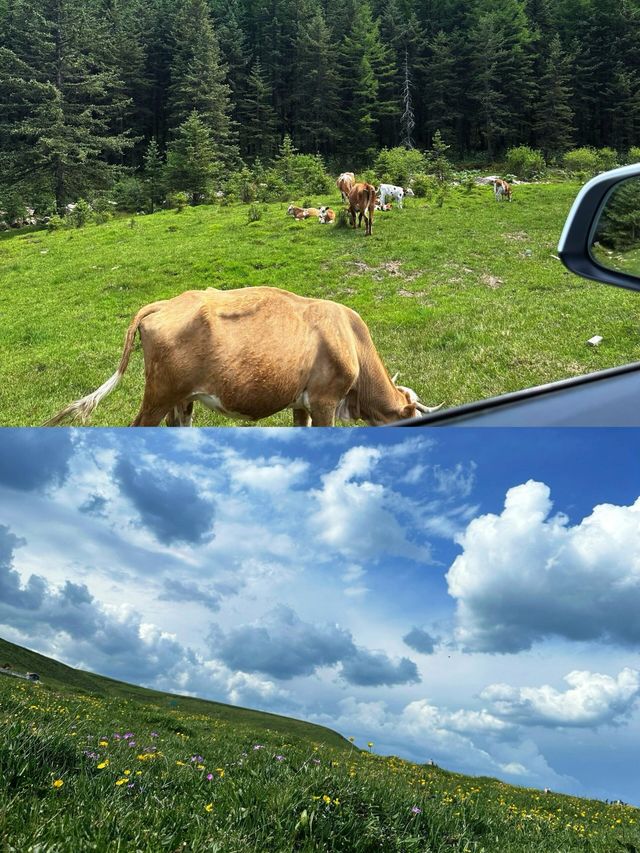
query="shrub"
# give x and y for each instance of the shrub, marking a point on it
(254, 214)
(527, 163)
(56, 223)
(244, 186)
(102, 210)
(300, 173)
(130, 195)
(342, 220)
(81, 214)
(423, 185)
(399, 165)
(581, 161)
(273, 188)
(177, 201)
(607, 159)
(439, 164)
(634, 154)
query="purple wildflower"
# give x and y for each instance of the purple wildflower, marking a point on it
(127, 735)
(258, 746)
(279, 757)
(416, 810)
(209, 777)
(154, 734)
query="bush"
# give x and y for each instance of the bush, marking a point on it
(582, 161)
(423, 185)
(81, 214)
(527, 163)
(254, 214)
(634, 154)
(102, 210)
(342, 220)
(177, 201)
(56, 223)
(299, 173)
(399, 165)
(607, 159)
(130, 195)
(244, 186)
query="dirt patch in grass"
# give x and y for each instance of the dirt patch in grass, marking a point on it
(392, 269)
(491, 281)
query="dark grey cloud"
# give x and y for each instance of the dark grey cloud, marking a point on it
(366, 668)
(421, 641)
(175, 590)
(34, 459)
(169, 506)
(282, 645)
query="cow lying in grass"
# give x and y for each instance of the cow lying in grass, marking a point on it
(250, 353)
(326, 215)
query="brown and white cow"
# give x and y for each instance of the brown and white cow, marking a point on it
(252, 352)
(325, 215)
(344, 183)
(296, 212)
(310, 212)
(362, 201)
(502, 189)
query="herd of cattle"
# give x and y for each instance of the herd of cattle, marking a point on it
(362, 198)
(255, 351)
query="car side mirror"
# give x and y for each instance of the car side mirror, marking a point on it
(601, 237)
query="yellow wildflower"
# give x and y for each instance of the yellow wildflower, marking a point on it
(326, 799)
(103, 764)
(209, 807)
(103, 743)
(58, 783)
(121, 781)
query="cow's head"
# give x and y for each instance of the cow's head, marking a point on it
(409, 192)
(413, 408)
(290, 210)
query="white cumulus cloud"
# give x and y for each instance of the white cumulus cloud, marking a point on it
(525, 575)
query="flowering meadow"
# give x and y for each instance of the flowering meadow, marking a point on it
(81, 771)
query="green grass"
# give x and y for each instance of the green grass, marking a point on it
(71, 781)
(465, 301)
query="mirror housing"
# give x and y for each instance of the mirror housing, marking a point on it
(578, 234)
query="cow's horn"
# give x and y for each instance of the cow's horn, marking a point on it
(427, 410)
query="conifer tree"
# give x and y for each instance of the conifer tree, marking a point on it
(191, 159)
(443, 102)
(154, 175)
(315, 97)
(198, 78)
(553, 125)
(257, 118)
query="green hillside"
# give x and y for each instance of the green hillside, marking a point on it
(57, 676)
(88, 763)
(464, 301)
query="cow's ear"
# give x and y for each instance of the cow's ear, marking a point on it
(409, 411)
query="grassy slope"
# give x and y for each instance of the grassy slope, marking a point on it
(296, 792)
(465, 301)
(62, 677)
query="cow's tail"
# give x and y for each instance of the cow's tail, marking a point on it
(83, 408)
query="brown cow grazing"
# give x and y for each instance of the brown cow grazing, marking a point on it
(253, 352)
(344, 183)
(362, 200)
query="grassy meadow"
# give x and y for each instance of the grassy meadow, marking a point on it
(464, 301)
(119, 768)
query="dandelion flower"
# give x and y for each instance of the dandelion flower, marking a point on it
(58, 783)
(209, 807)
(220, 771)
(121, 781)
(103, 743)
(326, 799)
(103, 764)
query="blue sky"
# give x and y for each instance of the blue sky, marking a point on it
(469, 596)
